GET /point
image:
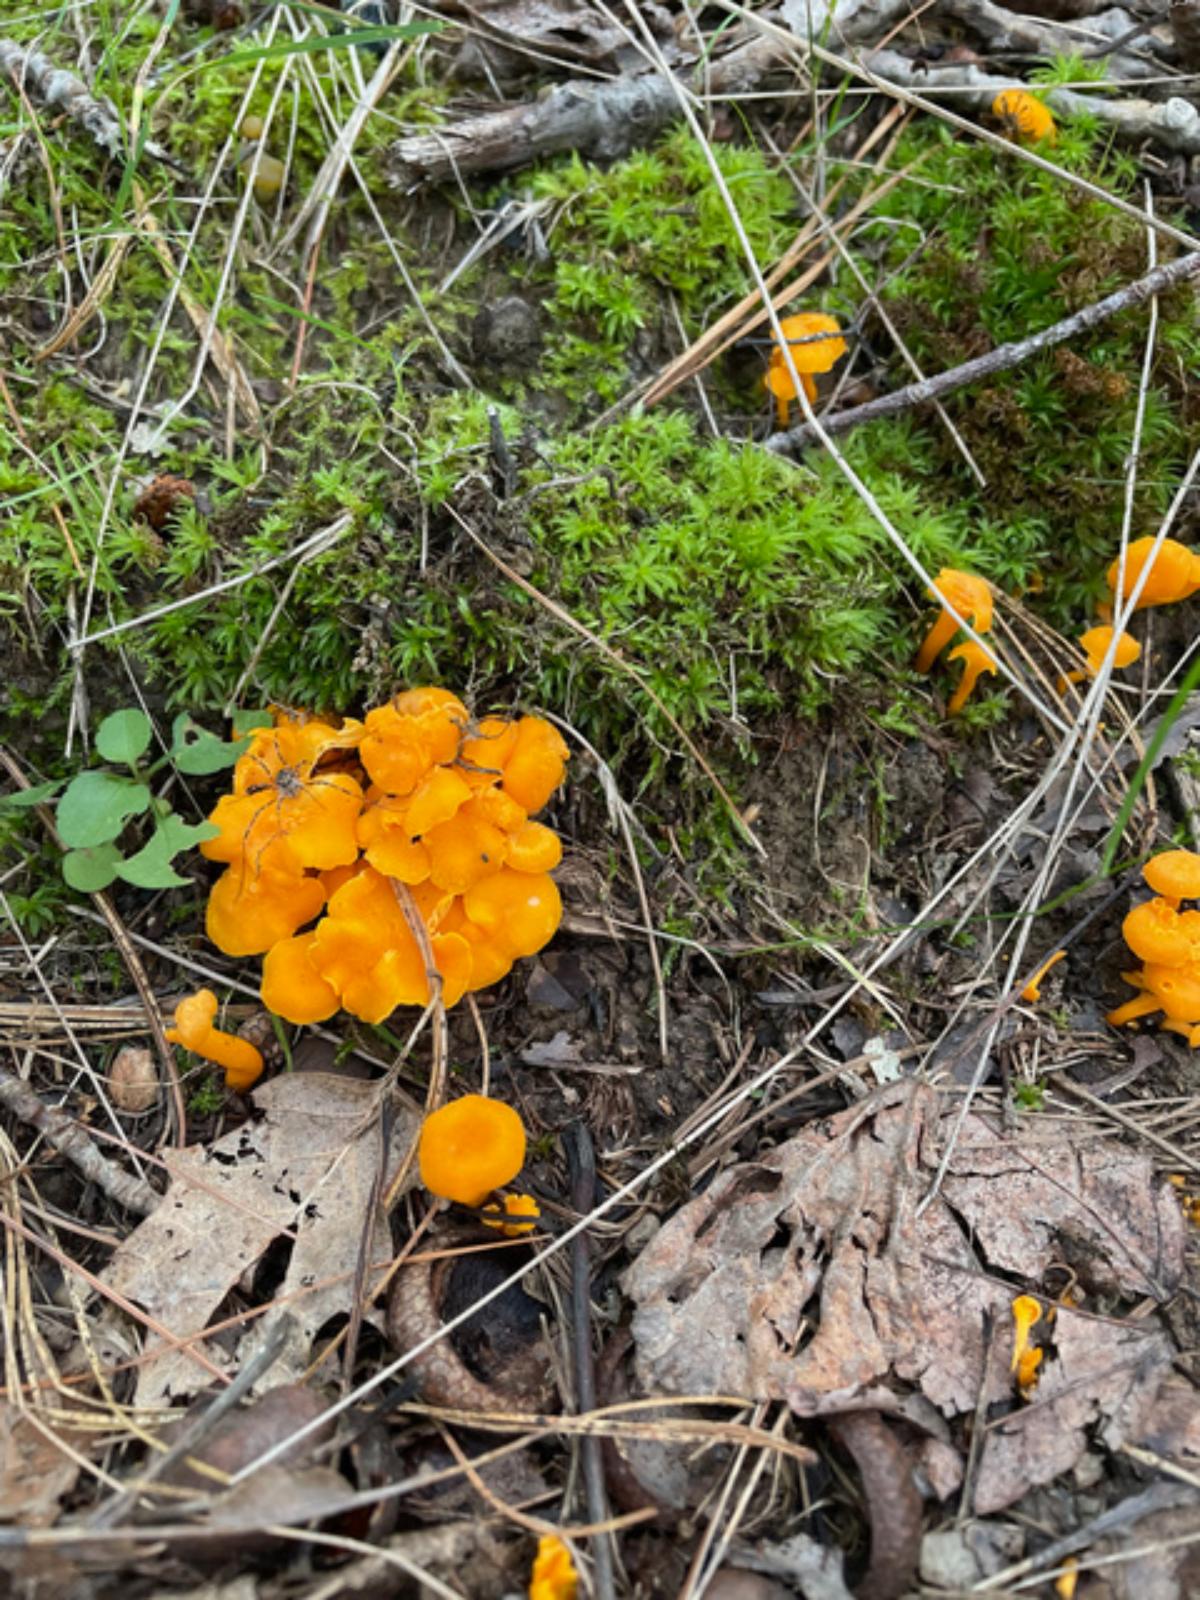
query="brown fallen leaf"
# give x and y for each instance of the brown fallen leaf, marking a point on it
(34, 1472)
(811, 1276)
(133, 1079)
(307, 1165)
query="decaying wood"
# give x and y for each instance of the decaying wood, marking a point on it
(1001, 359)
(1184, 17)
(39, 78)
(603, 120)
(1174, 123)
(1006, 30)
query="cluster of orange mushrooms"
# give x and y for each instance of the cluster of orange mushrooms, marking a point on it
(1174, 574)
(1166, 940)
(369, 861)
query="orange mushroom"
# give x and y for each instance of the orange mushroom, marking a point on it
(515, 1205)
(810, 353)
(279, 793)
(519, 910)
(976, 661)
(293, 986)
(249, 912)
(402, 740)
(554, 1576)
(1174, 573)
(1155, 931)
(365, 950)
(1032, 992)
(194, 1018)
(536, 765)
(970, 596)
(1175, 874)
(1024, 117)
(470, 1147)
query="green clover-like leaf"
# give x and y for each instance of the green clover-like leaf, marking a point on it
(95, 807)
(151, 867)
(197, 752)
(93, 869)
(124, 736)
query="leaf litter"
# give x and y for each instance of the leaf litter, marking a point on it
(825, 1275)
(307, 1168)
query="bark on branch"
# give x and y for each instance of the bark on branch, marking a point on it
(1001, 359)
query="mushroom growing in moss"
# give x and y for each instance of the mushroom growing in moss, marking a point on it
(815, 341)
(470, 1147)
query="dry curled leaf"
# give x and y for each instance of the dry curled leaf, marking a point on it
(811, 1276)
(34, 1472)
(306, 1167)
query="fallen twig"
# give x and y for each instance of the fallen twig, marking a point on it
(1005, 30)
(1001, 359)
(61, 91)
(70, 1140)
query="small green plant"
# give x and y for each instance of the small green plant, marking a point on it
(98, 804)
(1029, 1097)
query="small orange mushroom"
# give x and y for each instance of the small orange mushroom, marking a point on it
(970, 596)
(1032, 992)
(470, 1147)
(1175, 874)
(535, 768)
(554, 1576)
(515, 1205)
(1024, 117)
(1174, 574)
(976, 661)
(194, 1018)
(810, 353)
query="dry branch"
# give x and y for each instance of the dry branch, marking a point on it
(603, 120)
(70, 1140)
(1014, 31)
(1001, 359)
(36, 75)
(1174, 123)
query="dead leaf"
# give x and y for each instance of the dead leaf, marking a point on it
(308, 1165)
(810, 1276)
(34, 1472)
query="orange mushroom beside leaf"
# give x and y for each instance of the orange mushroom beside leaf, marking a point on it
(194, 1029)
(470, 1147)
(815, 342)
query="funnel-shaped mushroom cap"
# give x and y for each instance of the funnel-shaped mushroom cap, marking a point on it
(1177, 989)
(1095, 644)
(1174, 575)
(1175, 874)
(1156, 932)
(470, 1147)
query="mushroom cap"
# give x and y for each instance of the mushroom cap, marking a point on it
(194, 1017)
(534, 848)
(419, 729)
(482, 756)
(1024, 115)
(465, 850)
(536, 766)
(976, 660)
(384, 837)
(1174, 575)
(470, 1147)
(1157, 933)
(519, 910)
(1177, 989)
(1174, 874)
(1095, 643)
(553, 1576)
(250, 911)
(969, 594)
(292, 986)
(819, 355)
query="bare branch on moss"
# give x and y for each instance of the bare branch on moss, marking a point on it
(59, 90)
(1001, 29)
(1001, 359)
(1174, 123)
